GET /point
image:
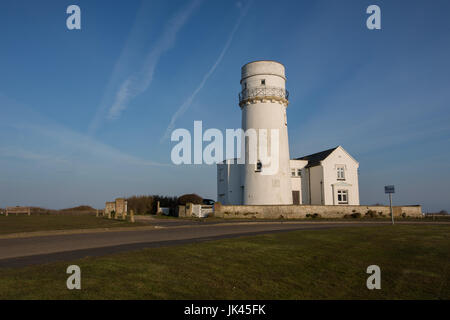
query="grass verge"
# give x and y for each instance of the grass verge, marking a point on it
(315, 264)
(24, 223)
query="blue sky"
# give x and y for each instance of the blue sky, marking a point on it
(84, 113)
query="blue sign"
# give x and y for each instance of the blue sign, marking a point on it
(389, 189)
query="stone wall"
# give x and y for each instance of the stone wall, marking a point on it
(301, 211)
(109, 208)
(121, 208)
(181, 211)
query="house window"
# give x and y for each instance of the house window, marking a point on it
(263, 82)
(342, 196)
(293, 172)
(299, 172)
(340, 173)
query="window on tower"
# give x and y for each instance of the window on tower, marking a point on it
(258, 166)
(263, 82)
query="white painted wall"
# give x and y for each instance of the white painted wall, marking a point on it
(229, 182)
(296, 180)
(315, 176)
(340, 157)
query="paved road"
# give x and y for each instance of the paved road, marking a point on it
(16, 252)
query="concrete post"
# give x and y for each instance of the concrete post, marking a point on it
(96, 213)
(131, 216)
(157, 208)
(29, 211)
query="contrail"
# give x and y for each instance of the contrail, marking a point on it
(182, 109)
(136, 84)
(139, 81)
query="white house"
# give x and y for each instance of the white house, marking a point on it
(328, 177)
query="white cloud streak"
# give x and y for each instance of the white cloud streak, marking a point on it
(44, 140)
(24, 154)
(141, 80)
(187, 103)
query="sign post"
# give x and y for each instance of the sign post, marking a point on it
(390, 190)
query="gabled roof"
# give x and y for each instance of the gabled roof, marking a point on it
(315, 158)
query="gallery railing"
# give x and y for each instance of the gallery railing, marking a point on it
(262, 92)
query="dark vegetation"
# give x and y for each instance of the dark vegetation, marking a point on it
(190, 198)
(148, 204)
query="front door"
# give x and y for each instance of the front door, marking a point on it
(296, 197)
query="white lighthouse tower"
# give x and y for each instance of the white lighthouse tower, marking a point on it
(263, 102)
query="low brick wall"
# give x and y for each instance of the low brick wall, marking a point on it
(301, 211)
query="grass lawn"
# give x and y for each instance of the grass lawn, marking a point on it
(24, 223)
(313, 264)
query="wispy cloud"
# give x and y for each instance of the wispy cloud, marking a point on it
(187, 103)
(139, 82)
(82, 144)
(45, 140)
(24, 154)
